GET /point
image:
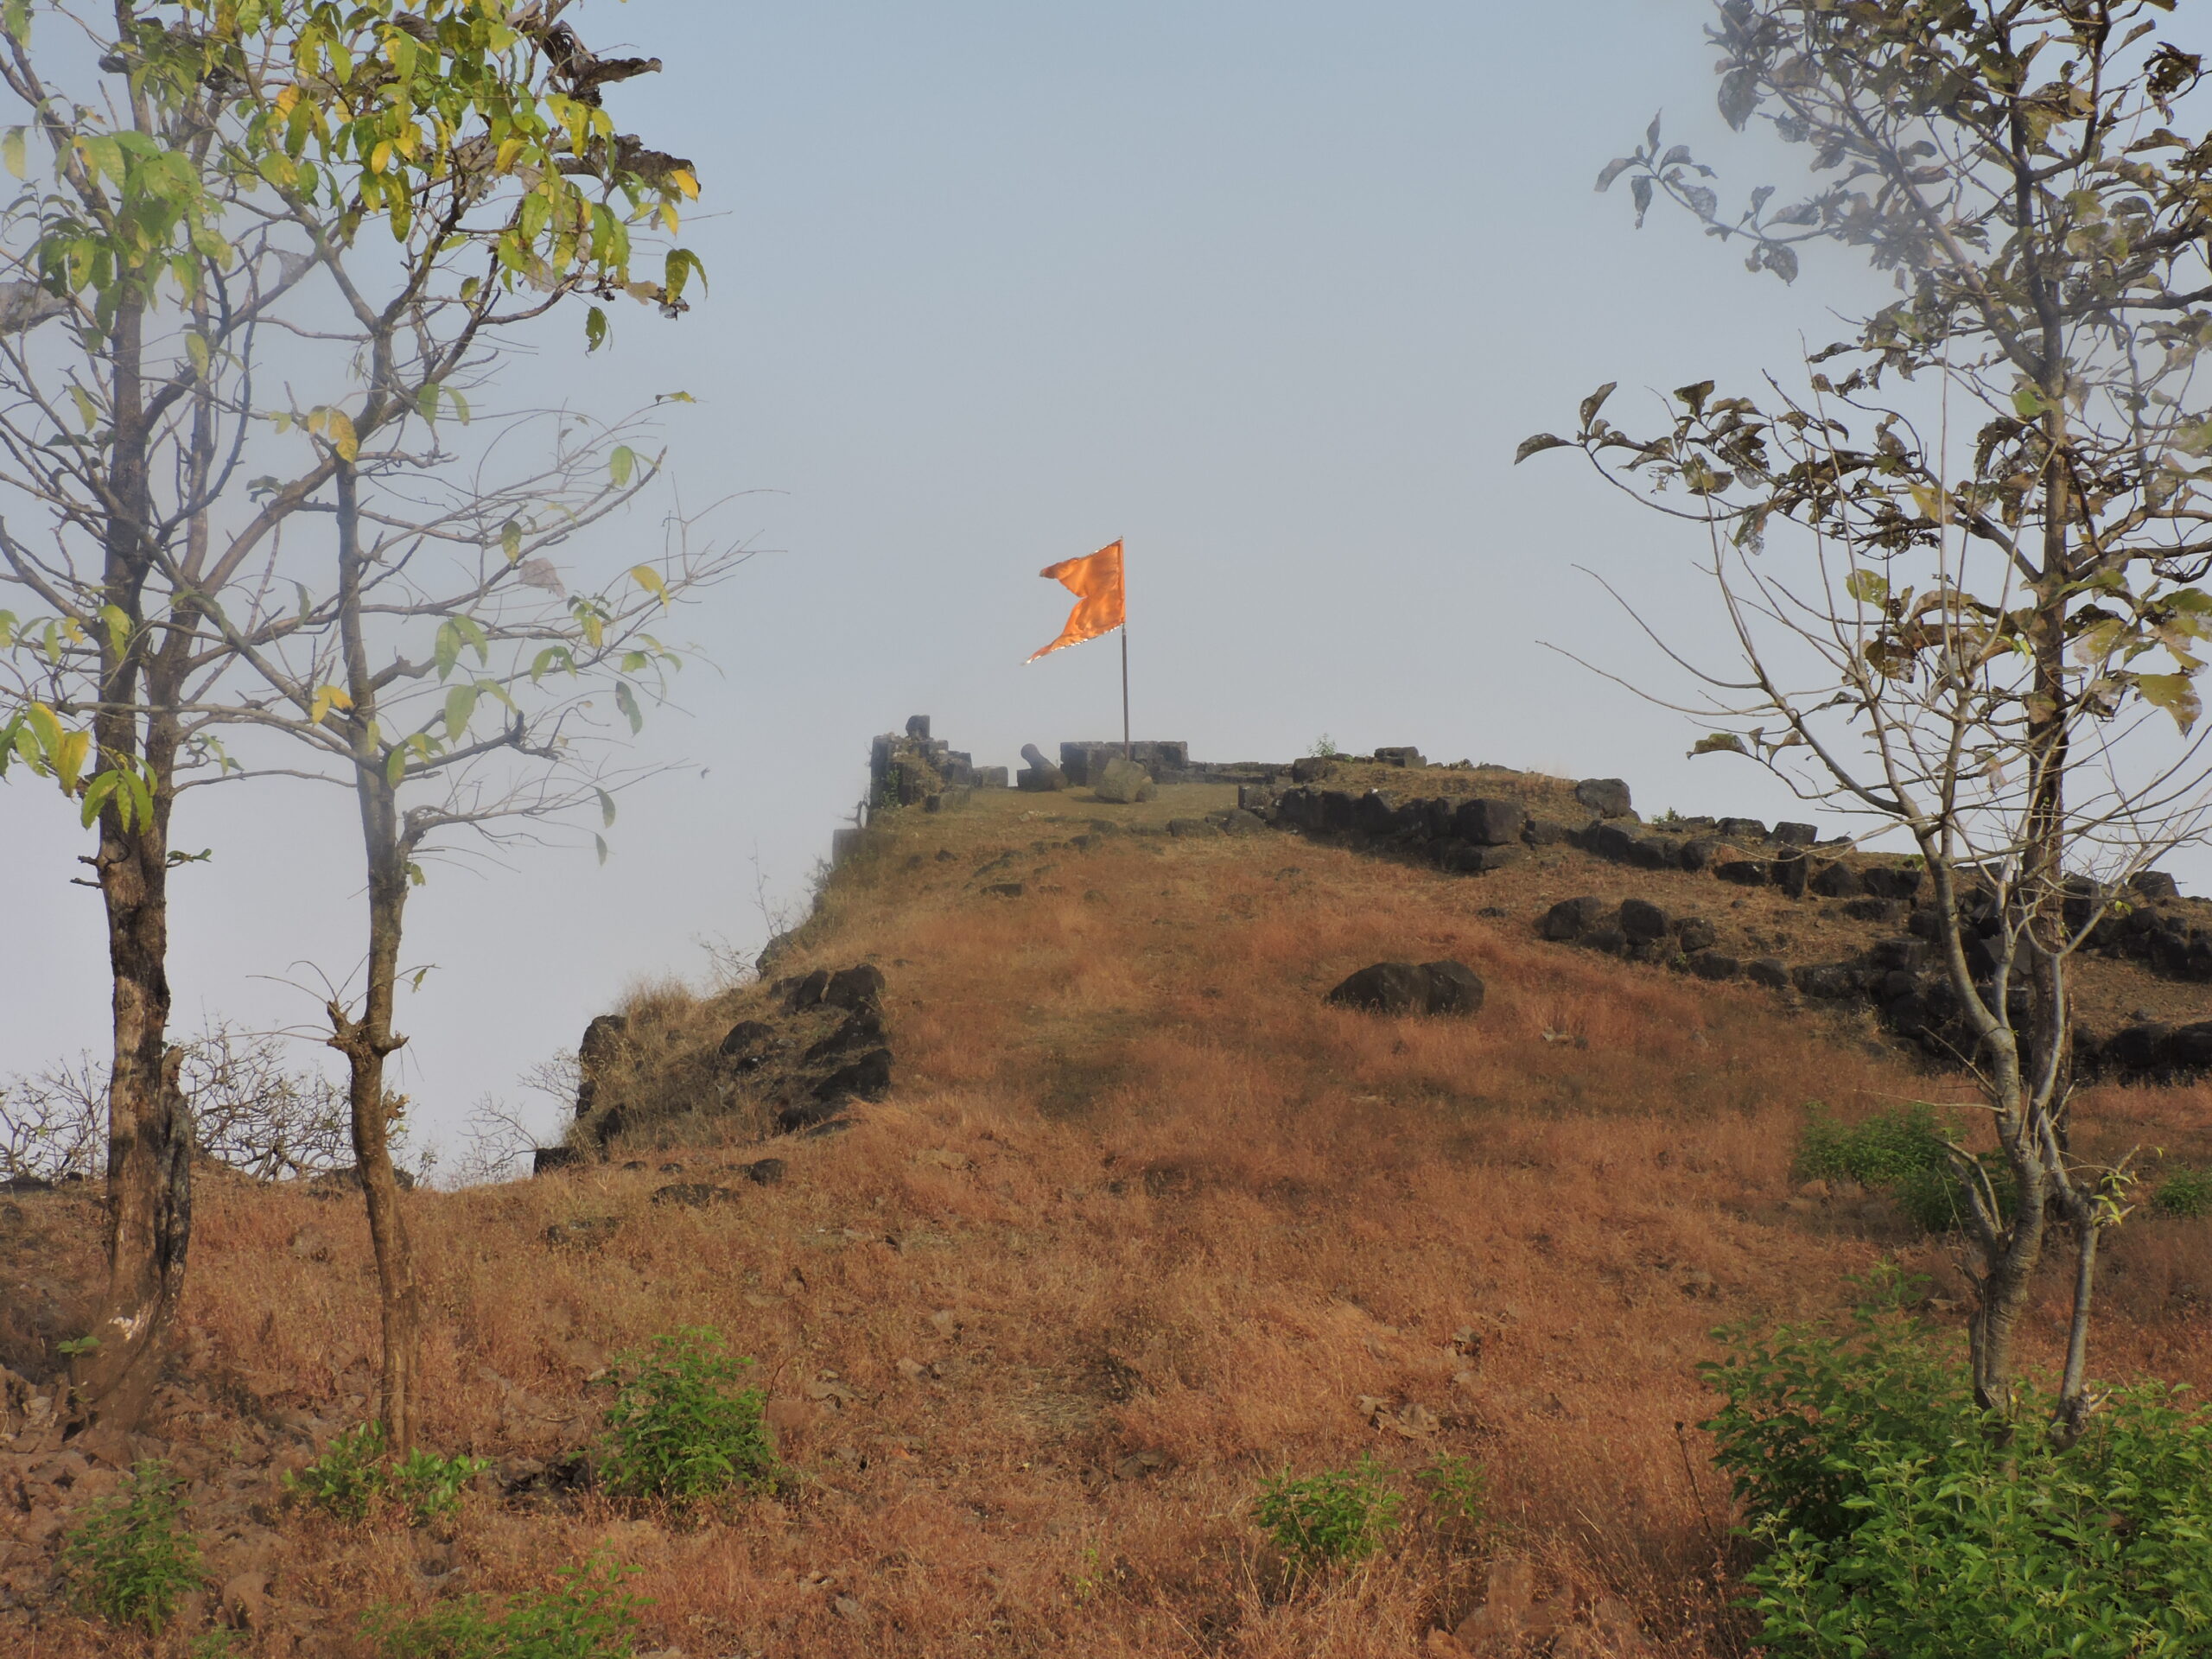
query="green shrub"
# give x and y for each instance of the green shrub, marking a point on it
(590, 1616)
(680, 1428)
(2185, 1191)
(1894, 1519)
(1457, 1490)
(131, 1559)
(355, 1476)
(1904, 1151)
(1337, 1516)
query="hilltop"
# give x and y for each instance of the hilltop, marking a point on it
(1088, 1212)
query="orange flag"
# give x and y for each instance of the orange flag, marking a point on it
(1095, 581)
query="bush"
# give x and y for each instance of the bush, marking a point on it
(355, 1476)
(590, 1616)
(1337, 1516)
(2185, 1191)
(1904, 1151)
(1894, 1518)
(680, 1429)
(130, 1559)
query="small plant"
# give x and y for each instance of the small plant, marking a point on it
(1324, 748)
(355, 1476)
(1339, 1515)
(1458, 1490)
(680, 1428)
(589, 1616)
(219, 1643)
(2185, 1191)
(429, 1486)
(130, 1560)
(348, 1478)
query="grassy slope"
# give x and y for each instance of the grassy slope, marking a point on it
(1145, 1221)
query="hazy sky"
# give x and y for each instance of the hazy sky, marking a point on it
(1270, 290)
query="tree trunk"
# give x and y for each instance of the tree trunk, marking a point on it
(368, 1041)
(149, 1134)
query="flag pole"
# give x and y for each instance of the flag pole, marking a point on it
(1128, 753)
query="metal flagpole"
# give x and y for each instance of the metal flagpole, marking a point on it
(1128, 753)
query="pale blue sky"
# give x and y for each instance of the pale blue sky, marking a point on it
(1270, 290)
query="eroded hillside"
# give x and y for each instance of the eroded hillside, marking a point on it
(1138, 1220)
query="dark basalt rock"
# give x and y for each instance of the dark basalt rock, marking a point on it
(1607, 796)
(1570, 919)
(1714, 964)
(1641, 919)
(855, 987)
(1432, 988)
(1489, 823)
(541, 1159)
(1743, 872)
(748, 1045)
(765, 1171)
(866, 1079)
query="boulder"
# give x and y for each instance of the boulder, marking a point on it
(863, 1030)
(804, 991)
(1121, 781)
(1400, 755)
(1833, 981)
(1489, 823)
(1790, 870)
(2186, 1051)
(1191, 828)
(1641, 919)
(855, 987)
(1607, 796)
(866, 1079)
(1898, 881)
(2153, 885)
(1608, 940)
(1871, 910)
(1796, 834)
(1570, 919)
(765, 1171)
(918, 728)
(1437, 987)
(1694, 934)
(543, 1159)
(1743, 829)
(1542, 832)
(1714, 964)
(1836, 880)
(1312, 768)
(1698, 853)
(748, 1045)
(1040, 780)
(1743, 872)
(1770, 971)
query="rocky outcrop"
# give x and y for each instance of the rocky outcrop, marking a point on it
(1429, 987)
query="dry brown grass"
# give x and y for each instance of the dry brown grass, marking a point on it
(1144, 1222)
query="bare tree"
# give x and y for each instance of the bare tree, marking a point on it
(223, 201)
(1995, 515)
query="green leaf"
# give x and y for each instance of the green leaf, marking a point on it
(681, 266)
(620, 464)
(11, 151)
(95, 796)
(1695, 395)
(1718, 743)
(2174, 693)
(2028, 403)
(445, 652)
(601, 843)
(605, 806)
(87, 411)
(1595, 401)
(595, 328)
(626, 701)
(195, 347)
(650, 579)
(460, 708)
(1866, 588)
(511, 540)
(472, 631)
(1537, 445)
(394, 766)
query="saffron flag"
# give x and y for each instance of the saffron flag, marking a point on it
(1095, 581)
